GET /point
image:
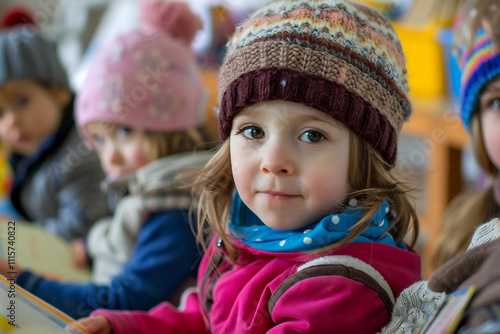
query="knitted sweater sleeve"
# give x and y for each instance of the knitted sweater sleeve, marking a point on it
(164, 318)
(164, 257)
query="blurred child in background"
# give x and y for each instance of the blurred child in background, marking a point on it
(476, 46)
(56, 175)
(306, 217)
(141, 107)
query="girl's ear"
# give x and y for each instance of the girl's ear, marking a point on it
(62, 95)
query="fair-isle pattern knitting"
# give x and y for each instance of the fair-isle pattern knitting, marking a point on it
(337, 56)
(346, 30)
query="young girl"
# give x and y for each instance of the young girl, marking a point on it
(477, 49)
(146, 252)
(308, 218)
(56, 176)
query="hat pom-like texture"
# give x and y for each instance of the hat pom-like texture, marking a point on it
(174, 18)
(148, 78)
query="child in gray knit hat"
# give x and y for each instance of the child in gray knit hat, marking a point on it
(56, 177)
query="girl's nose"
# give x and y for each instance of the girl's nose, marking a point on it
(11, 119)
(113, 154)
(277, 159)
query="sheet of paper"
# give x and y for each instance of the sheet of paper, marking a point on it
(448, 316)
(35, 249)
(22, 312)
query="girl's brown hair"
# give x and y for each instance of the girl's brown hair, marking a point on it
(369, 179)
(166, 143)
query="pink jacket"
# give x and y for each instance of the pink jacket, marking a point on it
(243, 298)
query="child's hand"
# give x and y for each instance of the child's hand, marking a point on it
(4, 218)
(77, 248)
(96, 325)
(5, 267)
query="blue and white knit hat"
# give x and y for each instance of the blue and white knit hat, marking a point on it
(337, 56)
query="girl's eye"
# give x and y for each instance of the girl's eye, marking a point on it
(98, 141)
(21, 102)
(123, 130)
(490, 102)
(311, 136)
(495, 104)
(252, 132)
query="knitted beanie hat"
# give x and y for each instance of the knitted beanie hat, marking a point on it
(337, 56)
(147, 78)
(476, 47)
(25, 54)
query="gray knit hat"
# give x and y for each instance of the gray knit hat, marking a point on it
(24, 54)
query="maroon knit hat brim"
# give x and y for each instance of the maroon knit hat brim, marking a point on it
(312, 91)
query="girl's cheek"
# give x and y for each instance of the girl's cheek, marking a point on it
(142, 153)
(494, 152)
(491, 133)
(141, 158)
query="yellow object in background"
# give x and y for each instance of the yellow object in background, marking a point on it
(5, 174)
(424, 56)
(418, 31)
(381, 5)
(5, 326)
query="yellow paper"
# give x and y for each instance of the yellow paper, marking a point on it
(35, 249)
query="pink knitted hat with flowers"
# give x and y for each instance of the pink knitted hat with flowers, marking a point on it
(148, 78)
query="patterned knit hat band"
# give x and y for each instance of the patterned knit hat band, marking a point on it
(337, 56)
(330, 97)
(283, 55)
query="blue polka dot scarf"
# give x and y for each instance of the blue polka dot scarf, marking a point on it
(248, 228)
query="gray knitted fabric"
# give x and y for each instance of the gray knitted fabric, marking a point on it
(24, 54)
(414, 306)
(485, 232)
